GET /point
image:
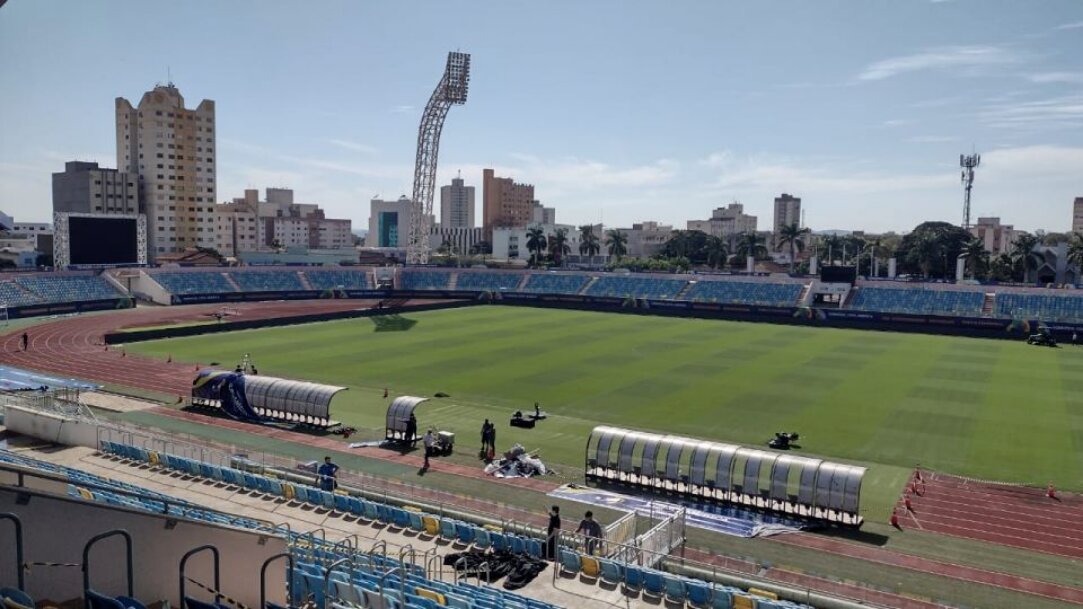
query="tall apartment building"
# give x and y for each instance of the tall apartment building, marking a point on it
(1077, 215)
(787, 212)
(507, 204)
(86, 188)
(171, 149)
(541, 214)
(996, 237)
(457, 205)
(389, 223)
(726, 222)
(248, 224)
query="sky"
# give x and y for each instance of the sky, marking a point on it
(616, 111)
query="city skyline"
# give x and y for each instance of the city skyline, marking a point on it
(658, 119)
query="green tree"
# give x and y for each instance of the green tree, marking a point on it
(588, 241)
(1075, 251)
(558, 246)
(717, 252)
(535, 243)
(1026, 259)
(931, 249)
(750, 244)
(1001, 268)
(793, 236)
(617, 242)
(977, 258)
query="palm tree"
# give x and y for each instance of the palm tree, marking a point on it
(1075, 251)
(794, 236)
(832, 244)
(750, 244)
(558, 245)
(588, 241)
(1024, 255)
(927, 252)
(617, 242)
(535, 243)
(1001, 268)
(976, 256)
(717, 251)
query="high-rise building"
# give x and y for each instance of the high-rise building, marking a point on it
(249, 225)
(1077, 215)
(456, 205)
(86, 188)
(787, 212)
(507, 204)
(726, 222)
(389, 223)
(541, 214)
(172, 150)
(996, 237)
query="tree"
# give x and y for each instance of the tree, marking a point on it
(535, 243)
(558, 245)
(793, 236)
(1001, 268)
(1075, 251)
(831, 245)
(977, 258)
(750, 244)
(691, 244)
(588, 241)
(1024, 256)
(717, 252)
(932, 248)
(853, 244)
(617, 242)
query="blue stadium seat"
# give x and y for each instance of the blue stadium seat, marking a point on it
(331, 280)
(425, 280)
(488, 281)
(1061, 307)
(201, 282)
(267, 281)
(636, 287)
(67, 288)
(745, 292)
(918, 301)
(555, 283)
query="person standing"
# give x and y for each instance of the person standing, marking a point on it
(589, 528)
(26, 341)
(492, 439)
(411, 429)
(430, 439)
(552, 532)
(327, 475)
(485, 437)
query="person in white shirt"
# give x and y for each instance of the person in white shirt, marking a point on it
(430, 439)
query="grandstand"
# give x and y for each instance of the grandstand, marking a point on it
(209, 282)
(1044, 307)
(636, 287)
(740, 292)
(36, 289)
(267, 281)
(488, 282)
(424, 280)
(555, 283)
(918, 300)
(329, 280)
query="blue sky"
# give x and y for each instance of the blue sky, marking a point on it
(615, 111)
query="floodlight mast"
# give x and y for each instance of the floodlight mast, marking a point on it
(968, 163)
(451, 90)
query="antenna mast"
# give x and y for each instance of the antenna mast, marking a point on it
(968, 163)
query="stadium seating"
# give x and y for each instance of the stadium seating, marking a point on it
(743, 292)
(918, 300)
(425, 280)
(554, 283)
(636, 287)
(11, 295)
(210, 282)
(68, 288)
(267, 281)
(1044, 307)
(329, 280)
(490, 282)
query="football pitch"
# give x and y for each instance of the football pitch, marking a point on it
(991, 409)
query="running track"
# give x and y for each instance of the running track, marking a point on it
(1014, 516)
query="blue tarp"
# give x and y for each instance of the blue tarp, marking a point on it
(17, 379)
(227, 388)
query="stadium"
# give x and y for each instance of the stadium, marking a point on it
(922, 455)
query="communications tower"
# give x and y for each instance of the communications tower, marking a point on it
(968, 163)
(451, 90)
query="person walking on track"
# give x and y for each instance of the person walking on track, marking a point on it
(26, 341)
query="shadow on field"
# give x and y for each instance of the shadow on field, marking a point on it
(392, 323)
(858, 535)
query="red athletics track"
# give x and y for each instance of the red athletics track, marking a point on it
(73, 346)
(1010, 515)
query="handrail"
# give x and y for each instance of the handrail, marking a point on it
(403, 551)
(263, 579)
(18, 524)
(327, 576)
(86, 559)
(184, 565)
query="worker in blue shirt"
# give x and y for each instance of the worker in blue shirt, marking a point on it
(326, 475)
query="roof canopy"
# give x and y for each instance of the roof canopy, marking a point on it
(398, 413)
(295, 397)
(616, 452)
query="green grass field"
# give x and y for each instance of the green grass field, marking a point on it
(985, 408)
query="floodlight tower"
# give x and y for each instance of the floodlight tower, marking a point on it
(968, 163)
(451, 90)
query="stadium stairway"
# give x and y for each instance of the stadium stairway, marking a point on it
(522, 282)
(802, 298)
(583, 290)
(232, 283)
(304, 280)
(989, 305)
(453, 281)
(681, 294)
(335, 526)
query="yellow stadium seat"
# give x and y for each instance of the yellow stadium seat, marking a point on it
(86, 494)
(763, 593)
(589, 566)
(432, 526)
(152, 456)
(287, 491)
(435, 597)
(743, 602)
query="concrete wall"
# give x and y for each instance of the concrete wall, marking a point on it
(55, 529)
(50, 428)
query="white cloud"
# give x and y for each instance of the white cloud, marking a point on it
(1064, 112)
(1057, 77)
(402, 109)
(899, 122)
(932, 139)
(354, 146)
(1047, 162)
(941, 58)
(1075, 25)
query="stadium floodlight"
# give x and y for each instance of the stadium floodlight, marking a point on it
(968, 163)
(451, 90)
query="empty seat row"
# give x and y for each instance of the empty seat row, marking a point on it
(1044, 307)
(267, 281)
(745, 292)
(210, 282)
(425, 280)
(331, 280)
(554, 283)
(38, 289)
(636, 287)
(918, 301)
(488, 281)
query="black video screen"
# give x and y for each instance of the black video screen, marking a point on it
(102, 241)
(838, 274)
